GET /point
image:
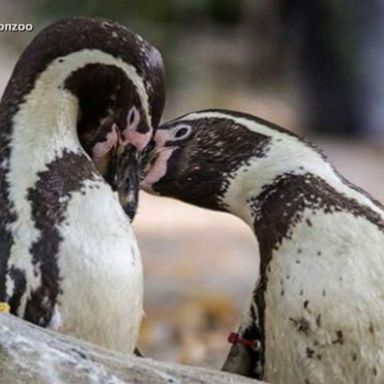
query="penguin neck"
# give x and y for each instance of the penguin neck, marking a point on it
(46, 125)
(260, 190)
(43, 129)
(251, 180)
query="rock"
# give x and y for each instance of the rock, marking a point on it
(33, 355)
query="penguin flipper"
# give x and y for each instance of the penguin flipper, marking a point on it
(246, 356)
(238, 361)
(244, 359)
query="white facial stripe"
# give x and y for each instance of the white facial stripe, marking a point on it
(43, 127)
(287, 154)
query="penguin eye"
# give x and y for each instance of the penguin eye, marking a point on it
(132, 115)
(182, 132)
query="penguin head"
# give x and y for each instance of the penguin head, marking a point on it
(117, 80)
(114, 126)
(195, 157)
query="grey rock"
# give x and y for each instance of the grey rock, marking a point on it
(33, 355)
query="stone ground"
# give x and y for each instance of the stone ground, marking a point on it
(33, 355)
(199, 265)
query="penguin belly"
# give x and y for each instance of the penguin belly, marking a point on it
(324, 302)
(101, 272)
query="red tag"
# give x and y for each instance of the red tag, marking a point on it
(234, 338)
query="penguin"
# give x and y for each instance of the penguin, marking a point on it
(316, 313)
(84, 98)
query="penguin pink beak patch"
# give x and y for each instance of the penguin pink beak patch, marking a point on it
(159, 165)
(134, 134)
(158, 169)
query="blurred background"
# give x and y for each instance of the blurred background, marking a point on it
(315, 67)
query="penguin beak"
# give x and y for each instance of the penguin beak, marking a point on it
(124, 166)
(122, 174)
(117, 150)
(127, 178)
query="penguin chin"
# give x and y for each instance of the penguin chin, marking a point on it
(157, 168)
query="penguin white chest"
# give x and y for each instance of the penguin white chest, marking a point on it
(101, 271)
(324, 303)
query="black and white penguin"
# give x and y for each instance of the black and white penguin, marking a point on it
(83, 98)
(317, 312)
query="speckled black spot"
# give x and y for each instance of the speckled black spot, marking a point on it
(301, 324)
(371, 329)
(309, 352)
(339, 338)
